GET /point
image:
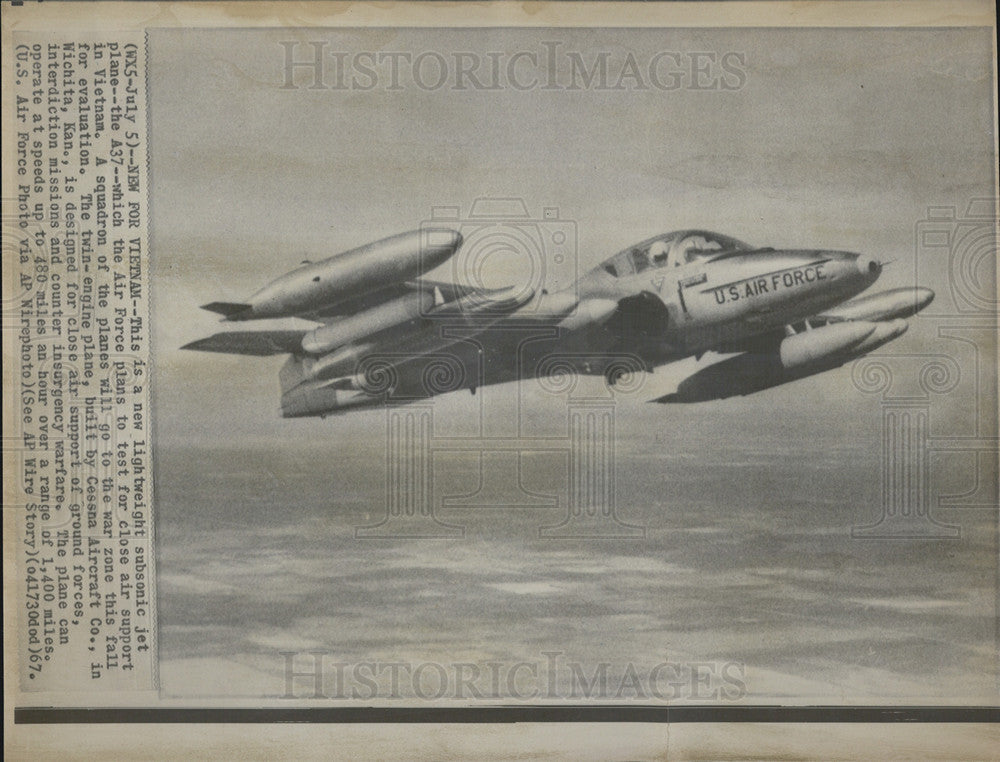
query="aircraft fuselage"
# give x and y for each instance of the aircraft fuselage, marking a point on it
(737, 295)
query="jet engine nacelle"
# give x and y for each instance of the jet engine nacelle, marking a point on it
(817, 344)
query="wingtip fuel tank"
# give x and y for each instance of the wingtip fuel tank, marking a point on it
(347, 275)
(884, 305)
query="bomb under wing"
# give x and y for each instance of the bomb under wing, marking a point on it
(346, 276)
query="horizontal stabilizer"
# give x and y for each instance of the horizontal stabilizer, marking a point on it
(257, 343)
(226, 309)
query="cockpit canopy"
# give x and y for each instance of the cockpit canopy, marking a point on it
(671, 250)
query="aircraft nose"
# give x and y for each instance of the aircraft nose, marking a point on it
(869, 267)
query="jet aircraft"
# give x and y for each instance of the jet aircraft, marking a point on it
(385, 333)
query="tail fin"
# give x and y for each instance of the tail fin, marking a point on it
(229, 310)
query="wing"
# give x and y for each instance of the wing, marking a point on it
(435, 354)
(412, 340)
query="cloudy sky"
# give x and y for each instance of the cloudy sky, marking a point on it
(833, 138)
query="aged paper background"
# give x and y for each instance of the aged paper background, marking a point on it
(201, 662)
